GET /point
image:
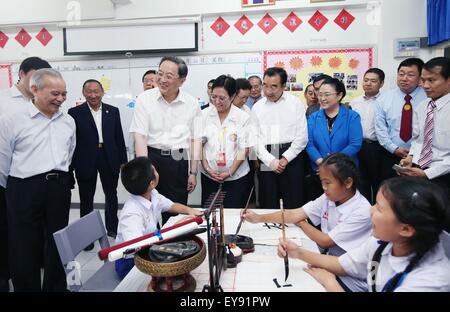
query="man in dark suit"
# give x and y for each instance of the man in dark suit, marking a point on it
(100, 148)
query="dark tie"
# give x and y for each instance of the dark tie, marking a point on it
(406, 122)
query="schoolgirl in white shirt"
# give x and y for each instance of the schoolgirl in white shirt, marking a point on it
(405, 253)
(342, 212)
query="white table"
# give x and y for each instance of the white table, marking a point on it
(256, 271)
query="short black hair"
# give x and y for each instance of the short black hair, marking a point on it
(343, 167)
(376, 71)
(210, 81)
(92, 80)
(337, 85)
(412, 61)
(151, 71)
(242, 84)
(182, 67)
(137, 174)
(320, 77)
(255, 77)
(226, 82)
(33, 63)
(309, 86)
(443, 62)
(274, 71)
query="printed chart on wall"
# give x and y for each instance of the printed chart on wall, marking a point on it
(348, 65)
(5, 76)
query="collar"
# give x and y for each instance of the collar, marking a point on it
(442, 101)
(34, 111)
(142, 201)
(413, 94)
(179, 99)
(231, 114)
(371, 97)
(93, 111)
(348, 206)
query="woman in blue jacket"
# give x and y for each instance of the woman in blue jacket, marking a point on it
(332, 129)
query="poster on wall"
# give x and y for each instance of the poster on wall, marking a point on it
(347, 65)
(5, 76)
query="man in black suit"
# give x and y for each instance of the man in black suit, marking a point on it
(100, 148)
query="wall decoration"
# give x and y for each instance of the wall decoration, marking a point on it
(347, 65)
(243, 24)
(3, 39)
(5, 76)
(292, 21)
(318, 20)
(344, 19)
(250, 3)
(23, 37)
(220, 26)
(44, 36)
(267, 23)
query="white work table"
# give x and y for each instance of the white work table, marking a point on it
(256, 271)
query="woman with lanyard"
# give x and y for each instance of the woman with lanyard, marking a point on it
(225, 146)
(405, 253)
(332, 129)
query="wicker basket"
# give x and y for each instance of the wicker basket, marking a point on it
(158, 269)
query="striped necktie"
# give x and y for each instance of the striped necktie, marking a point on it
(427, 151)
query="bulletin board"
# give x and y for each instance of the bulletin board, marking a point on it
(348, 65)
(5, 76)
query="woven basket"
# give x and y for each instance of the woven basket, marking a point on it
(158, 269)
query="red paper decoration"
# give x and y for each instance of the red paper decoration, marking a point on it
(220, 26)
(344, 19)
(23, 37)
(267, 23)
(318, 20)
(292, 21)
(3, 39)
(44, 36)
(243, 24)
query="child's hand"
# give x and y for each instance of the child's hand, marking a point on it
(249, 216)
(288, 246)
(324, 277)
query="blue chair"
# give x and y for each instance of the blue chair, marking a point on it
(71, 240)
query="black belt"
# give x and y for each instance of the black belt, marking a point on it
(370, 141)
(166, 152)
(279, 146)
(48, 176)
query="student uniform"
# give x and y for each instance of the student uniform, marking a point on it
(228, 137)
(348, 225)
(139, 217)
(431, 274)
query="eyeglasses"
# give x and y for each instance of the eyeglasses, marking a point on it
(219, 98)
(168, 76)
(326, 95)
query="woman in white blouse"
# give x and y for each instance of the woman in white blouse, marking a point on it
(225, 146)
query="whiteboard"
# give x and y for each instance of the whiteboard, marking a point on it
(125, 77)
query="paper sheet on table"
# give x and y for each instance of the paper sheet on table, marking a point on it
(254, 276)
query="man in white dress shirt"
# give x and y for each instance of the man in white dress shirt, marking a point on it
(282, 136)
(14, 99)
(165, 124)
(37, 144)
(255, 92)
(429, 156)
(369, 155)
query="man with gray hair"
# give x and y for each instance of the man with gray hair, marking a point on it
(165, 129)
(37, 145)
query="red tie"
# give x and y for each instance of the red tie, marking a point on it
(406, 123)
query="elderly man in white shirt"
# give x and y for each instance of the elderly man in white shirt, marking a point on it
(429, 155)
(282, 136)
(14, 99)
(37, 144)
(369, 155)
(165, 129)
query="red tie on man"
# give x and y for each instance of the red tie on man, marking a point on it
(406, 122)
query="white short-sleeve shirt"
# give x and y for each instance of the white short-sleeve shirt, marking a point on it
(167, 125)
(140, 216)
(228, 137)
(431, 274)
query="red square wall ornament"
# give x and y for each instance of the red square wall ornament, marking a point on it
(243, 24)
(267, 23)
(44, 36)
(220, 26)
(3, 39)
(23, 37)
(292, 21)
(344, 19)
(318, 20)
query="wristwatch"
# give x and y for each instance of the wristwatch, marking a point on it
(193, 173)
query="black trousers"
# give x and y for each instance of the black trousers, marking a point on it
(288, 185)
(109, 181)
(173, 176)
(4, 265)
(369, 165)
(387, 161)
(37, 207)
(236, 192)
